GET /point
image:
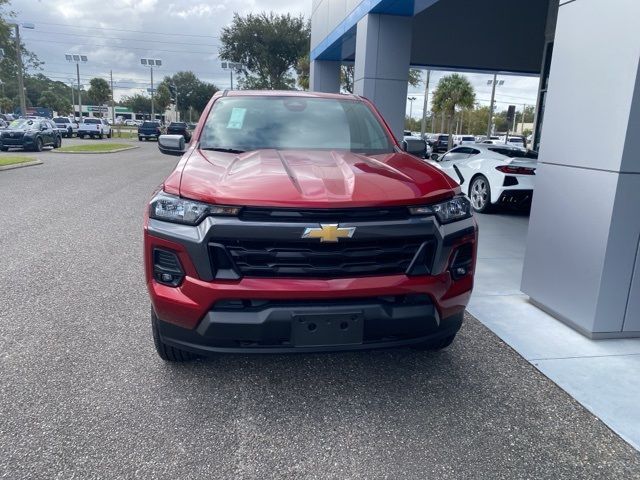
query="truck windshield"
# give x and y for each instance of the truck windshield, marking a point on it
(254, 123)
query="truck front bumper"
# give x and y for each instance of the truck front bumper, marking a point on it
(307, 326)
(219, 311)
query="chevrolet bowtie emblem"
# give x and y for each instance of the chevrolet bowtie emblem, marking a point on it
(329, 233)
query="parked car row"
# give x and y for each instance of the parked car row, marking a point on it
(440, 141)
(152, 130)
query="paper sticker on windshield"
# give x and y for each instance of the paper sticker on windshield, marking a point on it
(237, 118)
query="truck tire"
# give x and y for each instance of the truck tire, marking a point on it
(167, 352)
(4, 149)
(100, 136)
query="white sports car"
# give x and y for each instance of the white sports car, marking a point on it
(491, 174)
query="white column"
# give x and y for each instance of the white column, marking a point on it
(325, 76)
(582, 262)
(383, 51)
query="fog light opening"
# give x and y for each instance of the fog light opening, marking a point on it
(166, 268)
(461, 262)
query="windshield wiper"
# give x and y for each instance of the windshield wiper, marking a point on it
(220, 149)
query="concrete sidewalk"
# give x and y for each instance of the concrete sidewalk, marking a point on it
(603, 375)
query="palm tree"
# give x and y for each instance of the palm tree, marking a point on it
(453, 92)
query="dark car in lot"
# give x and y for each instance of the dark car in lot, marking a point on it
(180, 128)
(149, 130)
(30, 134)
(440, 143)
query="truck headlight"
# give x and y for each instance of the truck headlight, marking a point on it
(457, 208)
(171, 208)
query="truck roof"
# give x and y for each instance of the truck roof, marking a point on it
(282, 93)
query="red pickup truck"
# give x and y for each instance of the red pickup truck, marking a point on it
(294, 222)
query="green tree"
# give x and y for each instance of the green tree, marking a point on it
(346, 78)
(192, 92)
(302, 70)
(475, 120)
(138, 103)
(99, 91)
(162, 98)
(9, 66)
(453, 92)
(267, 46)
(6, 105)
(412, 124)
(55, 102)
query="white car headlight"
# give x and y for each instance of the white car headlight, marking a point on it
(458, 208)
(171, 208)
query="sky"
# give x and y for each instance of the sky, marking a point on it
(116, 34)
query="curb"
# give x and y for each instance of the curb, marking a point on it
(97, 153)
(21, 165)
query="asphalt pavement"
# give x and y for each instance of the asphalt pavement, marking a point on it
(83, 394)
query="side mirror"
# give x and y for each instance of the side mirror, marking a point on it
(171, 145)
(415, 147)
(435, 157)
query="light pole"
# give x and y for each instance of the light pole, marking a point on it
(411, 99)
(425, 106)
(77, 59)
(73, 98)
(231, 66)
(151, 62)
(175, 89)
(23, 101)
(493, 82)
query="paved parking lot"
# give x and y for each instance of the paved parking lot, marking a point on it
(83, 394)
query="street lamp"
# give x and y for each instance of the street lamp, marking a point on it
(231, 66)
(411, 99)
(23, 101)
(77, 59)
(493, 82)
(151, 62)
(73, 97)
(174, 87)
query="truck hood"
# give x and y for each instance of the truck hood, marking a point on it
(304, 178)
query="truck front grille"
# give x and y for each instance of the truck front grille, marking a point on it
(312, 259)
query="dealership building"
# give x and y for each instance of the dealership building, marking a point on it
(581, 263)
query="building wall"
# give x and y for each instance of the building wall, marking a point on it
(326, 15)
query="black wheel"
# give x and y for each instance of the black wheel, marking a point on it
(4, 149)
(480, 194)
(69, 133)
(37, 147)
(109, 135)
(80, 136)
(57, 143)
(437, 345)
(139, 138)
(167, 352)
(101, 136)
